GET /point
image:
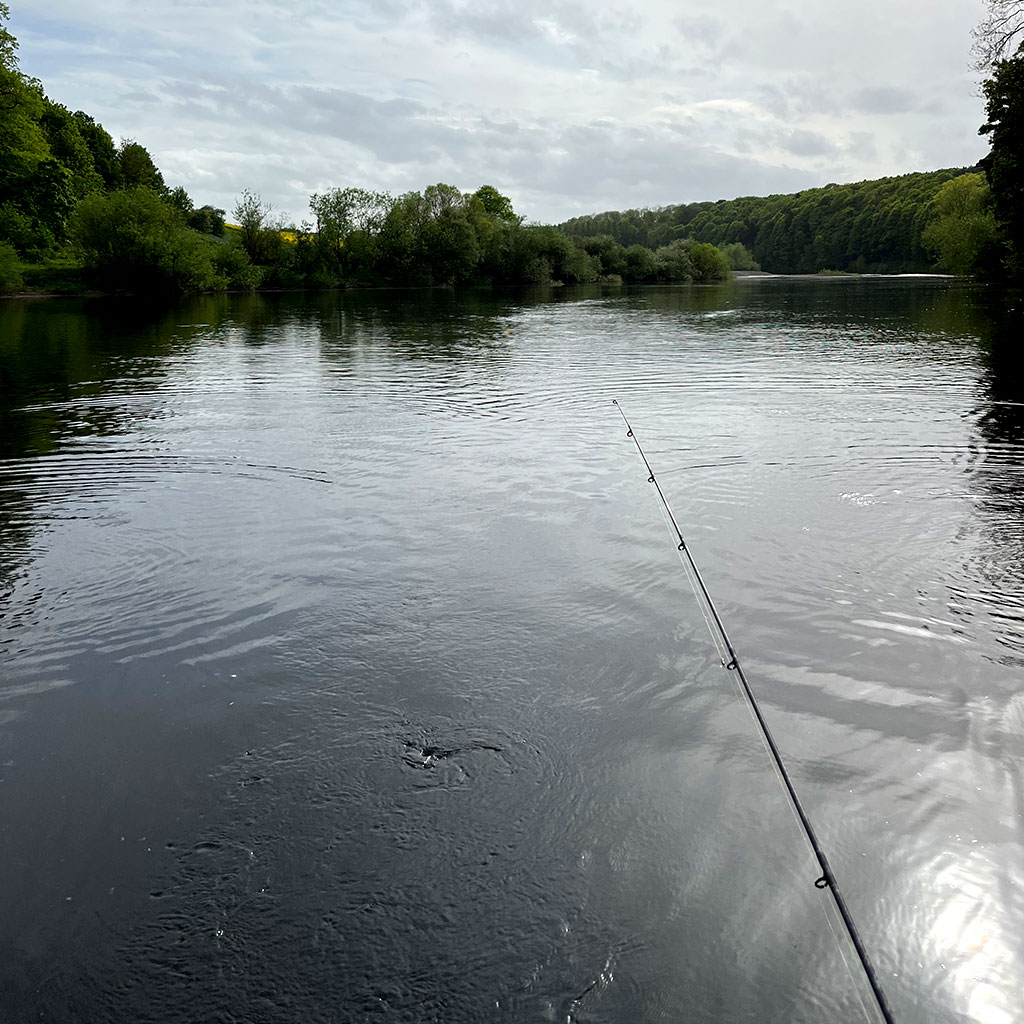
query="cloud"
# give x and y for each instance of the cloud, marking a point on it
(565, 106)
(885, 100)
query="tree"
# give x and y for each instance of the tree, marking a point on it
(253, 216)
(22, 140)
(1004, 165)
(964, 230)
(133, 239)
(8, 44)
(341, 211)
(999, 34)
(64, 136)
(740, 258)
(207, 220)
(137, 167)
(441, 198)
(496, 205)
(104, 154)
(640, 264)
(674, 263)
(182, 202)
(708, 263)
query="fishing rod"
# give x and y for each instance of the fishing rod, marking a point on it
(730, 660)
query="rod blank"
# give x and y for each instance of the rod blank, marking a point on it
(731, 661)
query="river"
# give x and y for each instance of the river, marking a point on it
(348, 672)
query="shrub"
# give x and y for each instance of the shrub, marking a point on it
(739, 257)
(708, 263)
(10, 268)
(234, 269)
(136, 241)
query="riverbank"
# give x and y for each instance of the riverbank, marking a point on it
(831, 275)
(62, 280)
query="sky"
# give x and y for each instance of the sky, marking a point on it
(566, 107)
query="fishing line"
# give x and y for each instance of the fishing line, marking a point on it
(730, 660)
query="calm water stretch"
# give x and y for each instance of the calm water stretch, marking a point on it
(349, 673)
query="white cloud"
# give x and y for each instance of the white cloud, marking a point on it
(566, 106)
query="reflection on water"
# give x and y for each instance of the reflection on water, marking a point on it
(347, 673)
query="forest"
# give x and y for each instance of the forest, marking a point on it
(79, 211)
(876, 226)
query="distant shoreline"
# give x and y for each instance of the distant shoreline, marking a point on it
(737, 275)
(762, 275)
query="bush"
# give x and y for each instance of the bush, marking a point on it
(674, 263)
(708, 263)
(739, 257)
(136, 241)
(234, 269)
(10, 268)
(640, 264)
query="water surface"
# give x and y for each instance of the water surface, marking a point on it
(348, 673)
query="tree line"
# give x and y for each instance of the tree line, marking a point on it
(71, 198)
(964, 221)
(866, 227)
(69, 195)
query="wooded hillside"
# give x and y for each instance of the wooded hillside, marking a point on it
(868, 226)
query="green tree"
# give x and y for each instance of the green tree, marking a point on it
(964, 232)
(496, 205)
(23, 144)
(137, 167)
(641, 264)
(207, 220)
(607, 251)
(10, 268)
(133, 239)
(104, 153)
(64, 136)
(182, 202)
(259, 237)
(674, 263)
(740, 257)
(708, 263)
(1004, 165)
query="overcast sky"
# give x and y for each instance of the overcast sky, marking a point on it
(567, 107)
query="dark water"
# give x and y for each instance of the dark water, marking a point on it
(348, 673)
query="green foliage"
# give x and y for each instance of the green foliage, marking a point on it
(105, 159)
(8, 44)
(964, 232)
(640, 264)
(69, 148)
(182, 202)
(207, 220)
(709, 264)
(137, 167)
(233, 268)
(134, 239)
(259, 237)
(1004, 165)
(868, 225)
(674, 262)
(739, 256)
(495, 204)
(10, 268)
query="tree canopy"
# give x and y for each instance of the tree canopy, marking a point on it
(1004, 165)
(867, 226)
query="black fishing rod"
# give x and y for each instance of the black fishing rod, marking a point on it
(731, 661)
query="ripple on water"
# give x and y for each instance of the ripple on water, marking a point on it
(479, 760)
